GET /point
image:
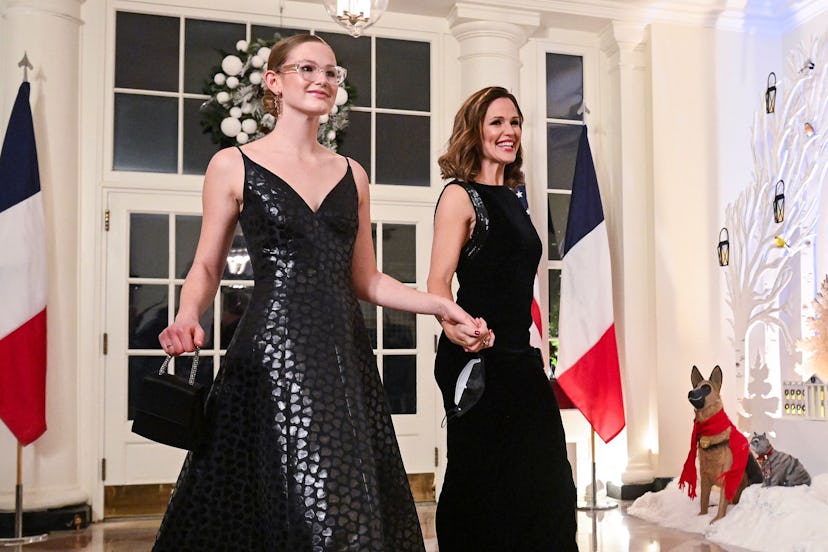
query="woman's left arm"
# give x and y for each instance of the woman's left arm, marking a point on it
(377, 287)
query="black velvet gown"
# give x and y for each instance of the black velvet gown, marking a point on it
(301, 454)
(508, 484)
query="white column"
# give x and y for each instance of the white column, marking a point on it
(629, 209)
(49, 32)
(490, 39)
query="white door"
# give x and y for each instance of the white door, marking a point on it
(150, 246)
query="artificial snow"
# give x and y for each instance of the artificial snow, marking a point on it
(772, 519)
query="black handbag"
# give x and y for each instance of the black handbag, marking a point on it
(470, 385)
(170, 409)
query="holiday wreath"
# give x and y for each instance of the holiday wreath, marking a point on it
(234, 114)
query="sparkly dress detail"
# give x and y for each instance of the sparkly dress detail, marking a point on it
(301, 454)
(508, 484)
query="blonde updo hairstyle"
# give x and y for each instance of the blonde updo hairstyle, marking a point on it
(278, 55)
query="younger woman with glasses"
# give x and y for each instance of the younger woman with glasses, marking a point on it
(300, 453)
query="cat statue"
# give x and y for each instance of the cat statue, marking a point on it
(778, 468)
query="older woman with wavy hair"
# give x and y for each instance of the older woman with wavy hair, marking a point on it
(508, 484)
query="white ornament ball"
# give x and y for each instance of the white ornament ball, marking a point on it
(249, 126)
(223, 97)
(232, 82)
(334, 110)
(255, 77)
(264, 53)
(246, 107)
(331, 135)
(235, 112)
(230, 126)
(220, 78)
(341, 96)
(242, 138)
(232, 65)
(256, 61)
(268, 120)
(323, 119)
(241, 45)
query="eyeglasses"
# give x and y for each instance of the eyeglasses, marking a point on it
(334, 74)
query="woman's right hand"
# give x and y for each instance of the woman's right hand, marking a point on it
(183, 335)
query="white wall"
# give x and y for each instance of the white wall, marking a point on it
(706, 86)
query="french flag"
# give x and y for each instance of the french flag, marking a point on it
(23, 277)
(588, 369)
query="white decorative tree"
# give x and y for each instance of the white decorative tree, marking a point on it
(790, 144)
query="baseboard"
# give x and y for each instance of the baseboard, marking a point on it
(634, 490)
(36, 522)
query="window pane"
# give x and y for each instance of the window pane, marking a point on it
(238, 265)
(234, 302)
(147, 315)
(354, 54)
(206, 320)
(146, 133)
(148, 239)
(272, 33)
(203, 43)
(140, 38)
(403, 74)
(564, 86)
(558, 214)
(554, 301)
(198, 145)
(187, 229)
(369, 313)
(561, 152)
(137, 368)
(399, 329)
(399, 257)
(403, 146)
(399, 376)
(356, 139)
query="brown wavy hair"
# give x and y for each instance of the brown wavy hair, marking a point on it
(465, 147)
(278, 55)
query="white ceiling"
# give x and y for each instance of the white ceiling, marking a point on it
(593, 14)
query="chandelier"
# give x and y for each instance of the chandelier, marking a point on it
(355, 15)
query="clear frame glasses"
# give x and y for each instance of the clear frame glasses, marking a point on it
(334, 74)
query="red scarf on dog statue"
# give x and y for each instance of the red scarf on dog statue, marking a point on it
(739, 447)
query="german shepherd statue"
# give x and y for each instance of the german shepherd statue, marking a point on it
(724, 454)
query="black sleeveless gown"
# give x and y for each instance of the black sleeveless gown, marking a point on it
(301, 454)
(508, 484)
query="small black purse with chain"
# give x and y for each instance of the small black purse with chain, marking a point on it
(170, 409)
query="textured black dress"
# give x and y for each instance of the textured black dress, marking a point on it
(301, 454)
(508, 484)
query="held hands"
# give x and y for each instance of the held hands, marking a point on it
(183, 335)
(473, 334)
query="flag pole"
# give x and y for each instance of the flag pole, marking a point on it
(594, 505)
(18, 539)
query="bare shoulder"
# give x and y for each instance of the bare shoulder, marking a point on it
(226, 172)
(360, 178)
(455, 198)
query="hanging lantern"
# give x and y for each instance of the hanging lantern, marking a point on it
(809, 130)
(779, 202)
(770, 94)
(724, 248)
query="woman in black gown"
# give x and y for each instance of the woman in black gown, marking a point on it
(508, 485)
(300, 454)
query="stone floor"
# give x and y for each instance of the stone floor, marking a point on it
(605, 531)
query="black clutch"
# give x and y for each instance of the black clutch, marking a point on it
(170, 409)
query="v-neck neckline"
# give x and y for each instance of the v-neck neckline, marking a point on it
(295, 192)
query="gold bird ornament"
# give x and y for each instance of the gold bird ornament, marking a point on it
(780, 241)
